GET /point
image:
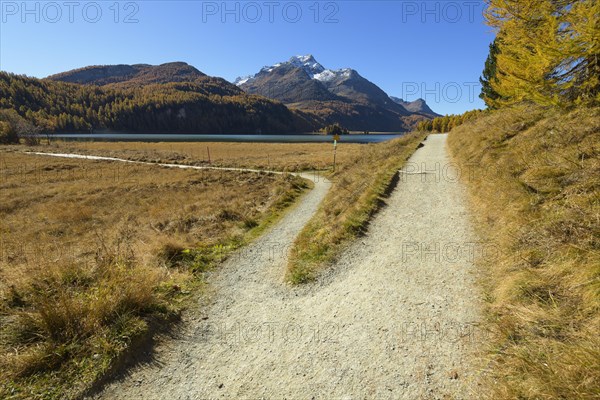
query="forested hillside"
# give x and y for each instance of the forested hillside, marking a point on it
(205, 105)
(130, 74)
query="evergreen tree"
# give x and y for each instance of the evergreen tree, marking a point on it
(335, 129)
(488, 94)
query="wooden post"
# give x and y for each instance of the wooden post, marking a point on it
(208, 151)
(334, 153)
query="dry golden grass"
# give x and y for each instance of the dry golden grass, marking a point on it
(534, 176)
(269, 156)
(356, 193)
(96, 255)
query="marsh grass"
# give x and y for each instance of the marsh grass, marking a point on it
(535, 186)
(291, 157)
(97, 256)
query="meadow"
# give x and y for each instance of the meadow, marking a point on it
(96, 256)
(291, 157)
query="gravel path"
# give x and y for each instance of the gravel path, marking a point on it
(395, 318)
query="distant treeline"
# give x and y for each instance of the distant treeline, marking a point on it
(207, 105)
(446, 123)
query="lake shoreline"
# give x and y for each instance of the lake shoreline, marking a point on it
(236, 138)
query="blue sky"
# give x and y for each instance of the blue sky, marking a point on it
(411, 49)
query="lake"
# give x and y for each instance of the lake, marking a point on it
(149, 137)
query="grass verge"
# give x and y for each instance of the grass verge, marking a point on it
(356, 193)
(534, 180)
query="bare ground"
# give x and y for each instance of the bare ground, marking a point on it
(396, 316)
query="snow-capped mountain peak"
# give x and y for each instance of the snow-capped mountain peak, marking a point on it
(347, 98)
(308, 64)
(304, 59)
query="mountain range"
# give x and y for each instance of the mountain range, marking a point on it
(334, 95)
(169, 98)
(295, 96)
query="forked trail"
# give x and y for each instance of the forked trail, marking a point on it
(395, 318)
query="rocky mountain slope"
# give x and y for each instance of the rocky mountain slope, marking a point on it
(418, 106)
(332, 95)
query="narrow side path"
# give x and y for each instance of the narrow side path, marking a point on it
(181, 166)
